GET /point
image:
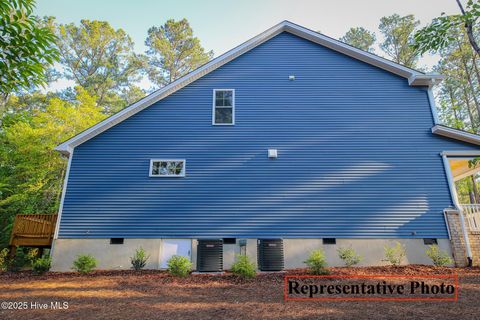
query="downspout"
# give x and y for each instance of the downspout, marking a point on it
(453, 194)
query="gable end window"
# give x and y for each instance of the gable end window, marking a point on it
(223, 107)
(167, 168)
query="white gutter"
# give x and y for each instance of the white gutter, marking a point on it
(453, 194)
(456, 134)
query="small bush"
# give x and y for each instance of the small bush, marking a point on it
(317, 262)
(31, 255)
(42, 265)
(244, 267)
(395, 254)
(439, 258)
(4, 259)
(179, 266)
(139, 259)
(349, 256)
(20, 260)
(84, 263)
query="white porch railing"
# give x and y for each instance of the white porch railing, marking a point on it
(471, 213)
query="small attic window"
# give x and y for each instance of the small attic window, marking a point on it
(167, 168)
(223, 107)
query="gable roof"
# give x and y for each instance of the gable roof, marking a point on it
(414, 77)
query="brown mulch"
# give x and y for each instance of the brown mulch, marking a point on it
(156, 295)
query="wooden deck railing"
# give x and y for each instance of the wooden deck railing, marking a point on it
(471, 213)
(33, 230)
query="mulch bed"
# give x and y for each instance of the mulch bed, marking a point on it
(153, 294)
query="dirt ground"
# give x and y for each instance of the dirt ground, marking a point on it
(156, 295)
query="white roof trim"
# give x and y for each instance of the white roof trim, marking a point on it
(414, 77)
(456, 134)
(461, 153)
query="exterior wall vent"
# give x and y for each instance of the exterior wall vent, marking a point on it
(272, 153)
(229, 240)
(329, 241)
(116, 240)
(210, 255)
(270, 254)
(430, 241)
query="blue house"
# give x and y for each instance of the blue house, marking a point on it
(290, 142)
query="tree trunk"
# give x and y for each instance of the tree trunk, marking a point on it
(470, 115)
(469, 78)
(475, 66)
(3, 104)
(469, 29)
(452, 102)
(474, 188)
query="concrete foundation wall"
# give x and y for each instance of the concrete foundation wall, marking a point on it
(296, 251)
(371, 250)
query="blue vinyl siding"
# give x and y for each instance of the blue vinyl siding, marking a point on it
(356, 157)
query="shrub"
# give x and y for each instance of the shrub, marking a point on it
(179, 266)
(19, 261)
(42, 265)
(349, 256)
(31, 255)
(4, 259)
(439, 258)
(139, 259)
(84, 263)
(395, 254)
(244, 267)
(317, 262)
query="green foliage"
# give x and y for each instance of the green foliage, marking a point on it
(108, 65)
(360, 38)
(32, 171)
(23, 258)
(4, 259)
(84, 263)
(173, 51)
(439, 258)
(26, 47)
(139, 259)
(42, 265)
(317, 263)
(437, 35)
(349, 256)
(398, 34)
(395, 254)
(179, 266)
(243, 267)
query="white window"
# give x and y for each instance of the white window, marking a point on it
(167, 168)
(223, 107)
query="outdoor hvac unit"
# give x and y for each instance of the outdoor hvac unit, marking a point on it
(270, 254)
(210, 255)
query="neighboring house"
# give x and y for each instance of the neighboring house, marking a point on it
(291, 135)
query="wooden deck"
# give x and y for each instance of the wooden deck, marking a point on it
(33, 230)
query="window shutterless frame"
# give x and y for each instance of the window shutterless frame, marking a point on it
(214, 107)
(181, 175)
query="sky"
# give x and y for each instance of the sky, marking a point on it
(223, 24)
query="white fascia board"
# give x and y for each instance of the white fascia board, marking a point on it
(428, 80)
(353, 52)
(68, 146)
(461, 153)
(456, 134)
